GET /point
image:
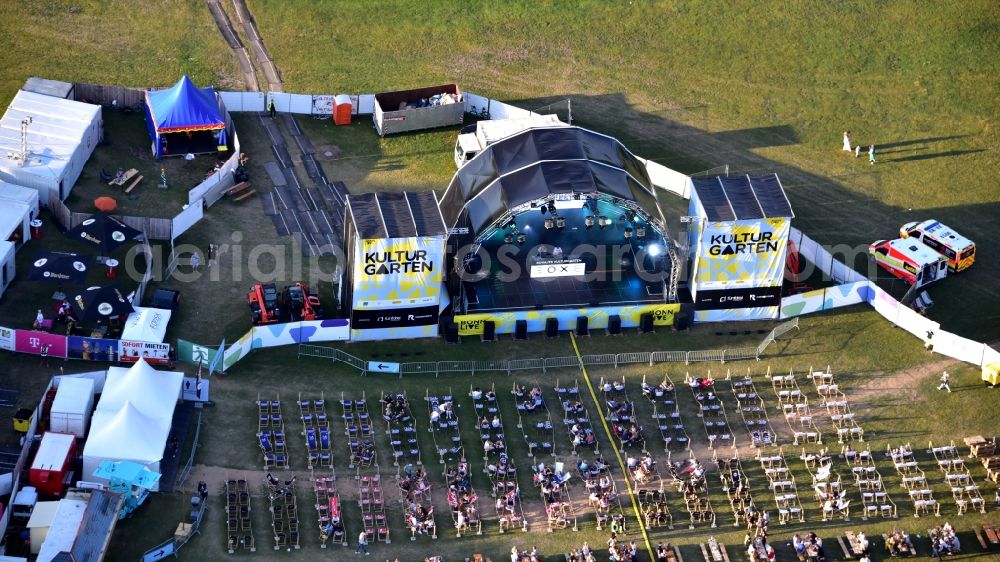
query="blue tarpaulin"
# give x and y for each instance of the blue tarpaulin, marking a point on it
(183, 108)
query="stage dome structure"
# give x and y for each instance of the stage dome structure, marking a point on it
(556, 223)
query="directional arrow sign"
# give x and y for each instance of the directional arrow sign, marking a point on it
(382, 367)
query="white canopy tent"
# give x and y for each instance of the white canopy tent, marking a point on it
(6, 265)
(154, 393)
(126, 434)
(146, 325)
(18, 194)
(61, 136)
(15, 222)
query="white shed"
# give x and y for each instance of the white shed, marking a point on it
(63, 530)
(16, 193)
(72, 406)
(61, 136)
(6, 265)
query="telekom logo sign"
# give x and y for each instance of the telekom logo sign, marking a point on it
(34, 342)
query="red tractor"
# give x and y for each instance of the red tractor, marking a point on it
(263, 301)
(299, 304)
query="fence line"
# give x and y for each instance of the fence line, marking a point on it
(190, 462)
(543, 364)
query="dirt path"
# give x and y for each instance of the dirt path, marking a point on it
(905, 382)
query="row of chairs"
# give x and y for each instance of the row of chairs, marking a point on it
(964, 489)
(400, 428)
(667, 414)
(621, 414)
(271, 433)
(359, 430)
(576, 419)
(538, 432)
(552, 482)
(239, 526)
(316, 431)
(736, 485)
(418, 505)
(782, 485)
(713, 412)
(329, 515)
(827, 484)
(753, 410)
(914, 480)
(463, 501)
(284, 513)
(444, 428)
(536, 427)
(500, 468)
(835, 401)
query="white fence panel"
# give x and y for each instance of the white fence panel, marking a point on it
(244, 101)
(186, 219)
(366, 104)
(918, 325)
(958, 347)
(884, 304)
(990, 356)
(322, 104)
(500, 110)
(475, 103)
(300, 103)
(667, 179)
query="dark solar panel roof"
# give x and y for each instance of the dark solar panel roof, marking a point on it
(98, 523)
(396, 214)
(742, 197)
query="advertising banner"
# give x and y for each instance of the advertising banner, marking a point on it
(28, 341)
(741, 254)
(397, 285)
(92, 349)
(7, 339)
(190, 352)
(746, 297)
(240, 349)
(272, 335)
(737, 314)
(597, 318)
(153, 353)
(394, 318)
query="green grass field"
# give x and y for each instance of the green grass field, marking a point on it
(759, 87)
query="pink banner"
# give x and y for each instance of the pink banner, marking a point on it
(28, 341)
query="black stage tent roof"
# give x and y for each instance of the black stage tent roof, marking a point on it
(742, 197)
(396, 214)
(545, 161)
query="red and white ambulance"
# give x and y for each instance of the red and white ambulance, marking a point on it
(910, 260)
(957, 249)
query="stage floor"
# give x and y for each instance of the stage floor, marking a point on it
(494, 294)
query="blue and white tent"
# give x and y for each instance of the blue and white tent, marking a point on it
(185, 119)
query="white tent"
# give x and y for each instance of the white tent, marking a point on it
(146, 325)
(71, 409)
(154, 393)
(15, 222)
(16, 193)
(6, 265)
(61, 137)
(126, 434)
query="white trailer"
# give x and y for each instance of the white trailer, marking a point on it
(72, 406)
(489, 131)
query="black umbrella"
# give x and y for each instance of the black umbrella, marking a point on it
(62, 267)
(104, 231)
(99, 303)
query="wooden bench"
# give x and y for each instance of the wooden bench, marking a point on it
(238, 188)
(245, 195)
(991, 533)
(134, 183)
(120, 181)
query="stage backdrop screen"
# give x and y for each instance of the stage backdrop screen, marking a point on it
(397, 286)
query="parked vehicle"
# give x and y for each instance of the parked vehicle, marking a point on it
(263, 301)
(959, 250)
(298, 304)
(909, 260)
(474, 138)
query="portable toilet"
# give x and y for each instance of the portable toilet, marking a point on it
(342, 109)
(51, 469)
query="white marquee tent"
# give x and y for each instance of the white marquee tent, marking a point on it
(154, 393)
(16, 193)
(146, 325)
(6, 265)
(126, 434)
(15, 222)
(61, 137)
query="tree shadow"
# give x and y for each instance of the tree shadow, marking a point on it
(759, 137)
(895, 144)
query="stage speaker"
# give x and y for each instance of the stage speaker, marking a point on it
(614, 325)
(646, 323)
(489, 330)
(581, 326)
(551, 327)
(521, 330)
(682, 320)
(451, 333)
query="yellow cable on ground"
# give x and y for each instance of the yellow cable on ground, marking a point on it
(611, 438)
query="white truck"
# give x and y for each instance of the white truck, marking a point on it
(489, 131)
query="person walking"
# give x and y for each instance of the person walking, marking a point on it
(195, 261)
(211, 255)
(270, 108)
(362, 543)
(847, 142)
(871, 154)
(945, 379)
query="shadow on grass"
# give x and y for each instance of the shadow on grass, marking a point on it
(936, 155)
(927, 140)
